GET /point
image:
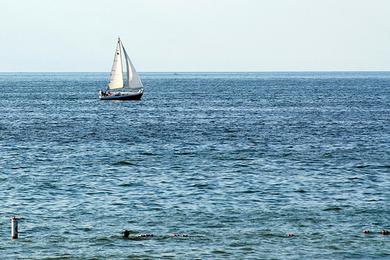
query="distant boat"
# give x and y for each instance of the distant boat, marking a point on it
(122, 86)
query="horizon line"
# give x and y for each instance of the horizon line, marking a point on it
(227, 71)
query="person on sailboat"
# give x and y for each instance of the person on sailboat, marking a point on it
(105, 93)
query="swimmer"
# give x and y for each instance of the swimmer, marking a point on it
(385, 232)
(126, 233)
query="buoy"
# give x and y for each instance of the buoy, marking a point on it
(146, 235)
(14, 228)
(179, 235)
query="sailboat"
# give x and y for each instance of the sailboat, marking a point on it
(122, 86)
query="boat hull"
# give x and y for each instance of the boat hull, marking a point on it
(122, 96)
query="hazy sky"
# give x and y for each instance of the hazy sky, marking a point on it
(196, 35)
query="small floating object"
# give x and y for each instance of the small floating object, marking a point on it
(385, 232)
(141, 236)
(146, 235)
(366, 231)
(179, 235)
(290, 235)
(126, 235)
(14, 228)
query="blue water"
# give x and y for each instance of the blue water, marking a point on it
(235, 160)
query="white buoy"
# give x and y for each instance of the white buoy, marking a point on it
(14, 228)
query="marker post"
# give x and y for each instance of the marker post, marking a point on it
(14, 228)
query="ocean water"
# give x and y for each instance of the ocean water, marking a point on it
(235, 160)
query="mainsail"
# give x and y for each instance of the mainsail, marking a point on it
(116, 79)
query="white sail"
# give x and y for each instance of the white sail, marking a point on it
(133, 80)
(116, 79)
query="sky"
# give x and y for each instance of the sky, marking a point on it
(195, 35)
